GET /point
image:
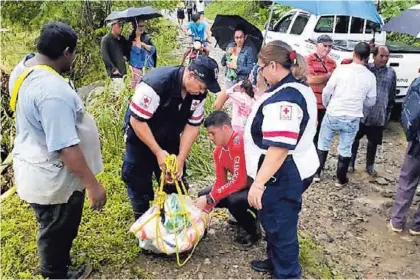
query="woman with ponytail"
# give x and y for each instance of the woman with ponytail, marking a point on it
(280, 155)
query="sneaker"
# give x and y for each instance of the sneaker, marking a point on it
(414, 232)
(80, 272)
(317, 178)
(262, 266)
(394, 229)
(371, 171)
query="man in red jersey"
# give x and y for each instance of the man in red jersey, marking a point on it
(229, 157)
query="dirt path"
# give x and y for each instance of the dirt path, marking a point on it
(349, 224)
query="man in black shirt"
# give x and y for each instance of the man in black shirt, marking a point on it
(164, 117)
(114, 47)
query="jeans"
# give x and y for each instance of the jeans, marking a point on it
(345, 126)
(58, 227)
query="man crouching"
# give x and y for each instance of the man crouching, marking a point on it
(229, 157)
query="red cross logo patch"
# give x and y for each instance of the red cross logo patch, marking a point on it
(286, 112)
(145, 101)
(194, 104)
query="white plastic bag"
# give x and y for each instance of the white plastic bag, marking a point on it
(182, 228)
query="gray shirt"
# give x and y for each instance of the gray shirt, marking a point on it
(47, 111)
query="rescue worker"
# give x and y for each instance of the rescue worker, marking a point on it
(229, 157)
(163, 118)
(320, 68)
(280, 155)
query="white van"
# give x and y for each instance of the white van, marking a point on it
(297, 26)
(300, 30)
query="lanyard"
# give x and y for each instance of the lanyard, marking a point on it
(22, 77)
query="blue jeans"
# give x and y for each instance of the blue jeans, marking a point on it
(345, 126)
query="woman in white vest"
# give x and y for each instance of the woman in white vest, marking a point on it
(280, 155)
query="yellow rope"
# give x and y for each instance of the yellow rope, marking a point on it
(171, 164)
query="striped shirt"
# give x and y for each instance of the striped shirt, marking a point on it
(386, 82)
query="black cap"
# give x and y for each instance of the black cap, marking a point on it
(324, 39)
(207, 70)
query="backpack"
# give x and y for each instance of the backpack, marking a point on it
(410, 115)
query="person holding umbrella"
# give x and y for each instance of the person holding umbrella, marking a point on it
(280, 155)
(143, 52)
(238, 59)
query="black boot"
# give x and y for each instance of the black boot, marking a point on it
(354, 149)
(342, 167)
(262, 266)
(370, 158)
(322, 155)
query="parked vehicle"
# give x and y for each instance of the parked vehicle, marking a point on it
(300, 30)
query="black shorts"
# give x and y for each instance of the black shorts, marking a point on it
(374, 134)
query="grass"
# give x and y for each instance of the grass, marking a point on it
(247, 9)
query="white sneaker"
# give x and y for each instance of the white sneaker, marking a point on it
(414, 232)
(394, 229)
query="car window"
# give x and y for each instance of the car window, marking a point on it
(283, 25)
(325, 24)
(342, 24)
(369, 25)
(299, 24)
(357, 25)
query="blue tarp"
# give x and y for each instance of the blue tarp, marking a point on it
(363, 9)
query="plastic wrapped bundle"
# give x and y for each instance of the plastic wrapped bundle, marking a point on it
(176, 227)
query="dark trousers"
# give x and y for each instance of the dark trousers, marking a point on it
(137, 171)
(407, 185)
(281, 204)
(58, 227)
(238, 206)
(189, 14)
(321, 114)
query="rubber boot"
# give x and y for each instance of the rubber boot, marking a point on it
(370, 158)
(342, 167)
(322, 155)
(354, 149)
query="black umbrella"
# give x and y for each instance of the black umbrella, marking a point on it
(143, 13)
(406, 22)
(223, 30)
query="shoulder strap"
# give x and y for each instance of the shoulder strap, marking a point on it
(22, 77)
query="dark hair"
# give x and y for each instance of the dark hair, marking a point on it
(195, 17)
(375, 50)
(279, 52)
(55, 38)
(240, 27)
(217, 118)
(362, 50)
(247, 86)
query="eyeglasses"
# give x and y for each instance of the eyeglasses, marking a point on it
(328, 46)
(261, 68)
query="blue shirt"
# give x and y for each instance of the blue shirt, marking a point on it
(140, 57)
(198, 29)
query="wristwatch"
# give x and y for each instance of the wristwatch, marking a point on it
(209, 199)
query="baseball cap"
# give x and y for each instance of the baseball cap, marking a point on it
(324, 39)
(207, 70)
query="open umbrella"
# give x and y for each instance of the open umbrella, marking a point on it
(406, 22)
(143, 13)
(223, 29)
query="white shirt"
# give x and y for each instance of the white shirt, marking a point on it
(200, 6)
(350, 87)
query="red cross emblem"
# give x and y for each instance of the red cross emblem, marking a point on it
(146, 101)
(285, 112)
(194, 105)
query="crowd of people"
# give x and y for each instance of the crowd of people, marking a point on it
(286, 111)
